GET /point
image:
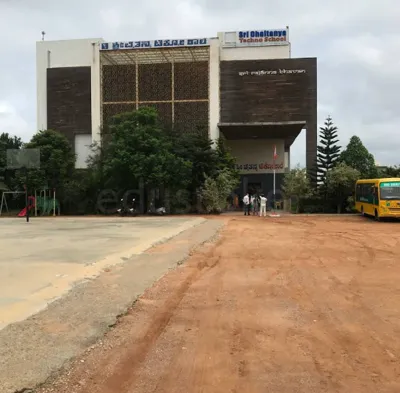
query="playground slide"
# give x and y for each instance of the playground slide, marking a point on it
(22, 213)
(31, 205)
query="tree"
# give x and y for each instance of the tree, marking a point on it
(225, 158)
(340, 183)
(207, 161)
(296, 184)
(195, 148)
(390, 171)
(139, 150)
(57, 162)
(328, 152)
(7, 142)
(357, 156)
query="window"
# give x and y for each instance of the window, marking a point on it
(365, 192)
(390, 190)
(230, 38)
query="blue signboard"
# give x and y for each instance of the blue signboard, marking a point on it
(262, 33)
(154, 44)
(263, 37)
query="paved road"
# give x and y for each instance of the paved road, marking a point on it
(42, 260)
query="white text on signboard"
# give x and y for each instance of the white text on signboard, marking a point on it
(268, 37)
(154, 44)
(280, 71)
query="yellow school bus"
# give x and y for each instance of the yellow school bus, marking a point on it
(379, 198)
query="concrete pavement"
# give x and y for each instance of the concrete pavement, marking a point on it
(43, 259)
(33, 350)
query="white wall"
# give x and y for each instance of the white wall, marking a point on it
(287, 160)
(252, 52)
(69, 53)
(256, 53)
(82, 149)
(214, 103)
(256, 152)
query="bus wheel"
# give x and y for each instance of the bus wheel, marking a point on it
(376, 215)
(362, 210)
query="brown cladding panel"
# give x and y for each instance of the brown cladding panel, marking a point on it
(164, 111)
(191, 80)
(155, 82)
(69, 102)
(274, 97)
(110, 110)
(191, 116)
(119, 83)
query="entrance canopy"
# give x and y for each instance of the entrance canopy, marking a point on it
(286, 130)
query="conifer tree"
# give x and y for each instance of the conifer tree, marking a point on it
(328, 151)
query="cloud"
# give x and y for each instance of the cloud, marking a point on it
(357, 44)
(12, 122)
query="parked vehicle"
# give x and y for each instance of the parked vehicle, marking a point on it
(379, 198)
(125, 211)
(161, 211)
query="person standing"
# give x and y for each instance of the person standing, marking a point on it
(263, 205)
(256, 206)
(246, 204)
(236, 201)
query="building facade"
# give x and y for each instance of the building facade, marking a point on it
(243, 85)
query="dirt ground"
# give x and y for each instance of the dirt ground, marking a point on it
(290, 304)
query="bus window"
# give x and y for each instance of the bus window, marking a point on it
(365, 193)
(390, 193)
(375, 195)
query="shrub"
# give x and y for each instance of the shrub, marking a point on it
(215, 192)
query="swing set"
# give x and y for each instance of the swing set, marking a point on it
(44, 202)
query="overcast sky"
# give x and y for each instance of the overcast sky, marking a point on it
(357, 44)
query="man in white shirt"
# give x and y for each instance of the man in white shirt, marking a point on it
(263, 205)
(246, 204)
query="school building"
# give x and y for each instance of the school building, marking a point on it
(243, 85)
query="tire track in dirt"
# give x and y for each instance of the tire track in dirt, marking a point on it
(311, 342)
(124, 373)
(361, 310)
(203, 358)
(192, 360)
(335, 327)
(366, 244)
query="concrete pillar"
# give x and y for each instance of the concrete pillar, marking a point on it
(214, 100)
(286, 202)
(42, 55)
(287, 159)
(96, 92)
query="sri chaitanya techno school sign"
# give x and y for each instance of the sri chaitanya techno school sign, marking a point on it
(266, 37)
(240, 38)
